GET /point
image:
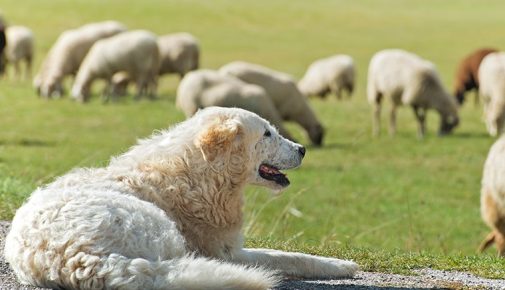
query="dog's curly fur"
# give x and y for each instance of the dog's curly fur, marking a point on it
(164, 215)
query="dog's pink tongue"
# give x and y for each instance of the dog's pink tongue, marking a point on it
(269, 170)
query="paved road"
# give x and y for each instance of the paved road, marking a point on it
(430, 279)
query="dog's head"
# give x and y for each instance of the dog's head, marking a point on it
(241, 140)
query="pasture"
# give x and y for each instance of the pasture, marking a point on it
(356, 194)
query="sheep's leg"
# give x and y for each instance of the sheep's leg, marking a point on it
(153, 86)
(421, 121)
(17, 70)
(376, 122)
(392, 120)
(28, 72)
(107, 92)
(349, 88)
(499, 124)
(339, 94)
(141, 88)
(335, 89)
(377, 119)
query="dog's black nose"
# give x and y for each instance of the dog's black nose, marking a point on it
(302, 151)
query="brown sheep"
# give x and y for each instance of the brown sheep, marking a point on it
(467, 78)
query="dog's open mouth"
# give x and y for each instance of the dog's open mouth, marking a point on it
(269, 172)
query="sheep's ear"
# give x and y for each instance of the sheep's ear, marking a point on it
(217, 137)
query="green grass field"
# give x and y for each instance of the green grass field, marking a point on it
(390, 203)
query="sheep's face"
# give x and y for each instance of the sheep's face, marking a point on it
(448, 124)
(460, 97)
(350, 88)
(80, 94)
(316, 134)
(51, 89)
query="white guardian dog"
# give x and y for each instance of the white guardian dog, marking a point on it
(167, 214)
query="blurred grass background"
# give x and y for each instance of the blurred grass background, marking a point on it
(395, 194)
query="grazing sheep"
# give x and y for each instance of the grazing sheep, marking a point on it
(467, 74)
(205, 88)
(167, 214)
(135, 53)
(492, 200)
(291, 104)
(66, 55)
(492, 90)
(406, 79)
(19, 48)
(334, 74)
(179, 53)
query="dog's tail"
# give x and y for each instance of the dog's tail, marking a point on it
(487, 242)
(119, 272)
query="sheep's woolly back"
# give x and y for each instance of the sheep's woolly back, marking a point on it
(19, 43)
(492, 73)
(205, 88)
(409, 80)
(467, 73)
(134, 52)
(282, 89)
(179, 53)
(328, 74)
(492, 90)
(69, 50)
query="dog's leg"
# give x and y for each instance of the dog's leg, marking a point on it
(297, 264)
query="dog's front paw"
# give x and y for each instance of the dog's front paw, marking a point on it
(336, 268)
(349, 268)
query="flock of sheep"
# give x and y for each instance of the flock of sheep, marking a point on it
(108, 51)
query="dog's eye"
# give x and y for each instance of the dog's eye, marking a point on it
(267, 133)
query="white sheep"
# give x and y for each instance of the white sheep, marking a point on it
(406, 79)
(179, 53)
(19, 48)
(492, 91)
(205, 88)
(134, 52)
(334, 75)
(282, 89)
(67, 53)
(492, 200)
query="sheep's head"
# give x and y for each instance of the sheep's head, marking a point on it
(350, 88)
(447, 124)
(51, 88)
(316, 134)
(80, 94)
(460, 97)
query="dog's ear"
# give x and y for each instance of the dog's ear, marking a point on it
(218, 137)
